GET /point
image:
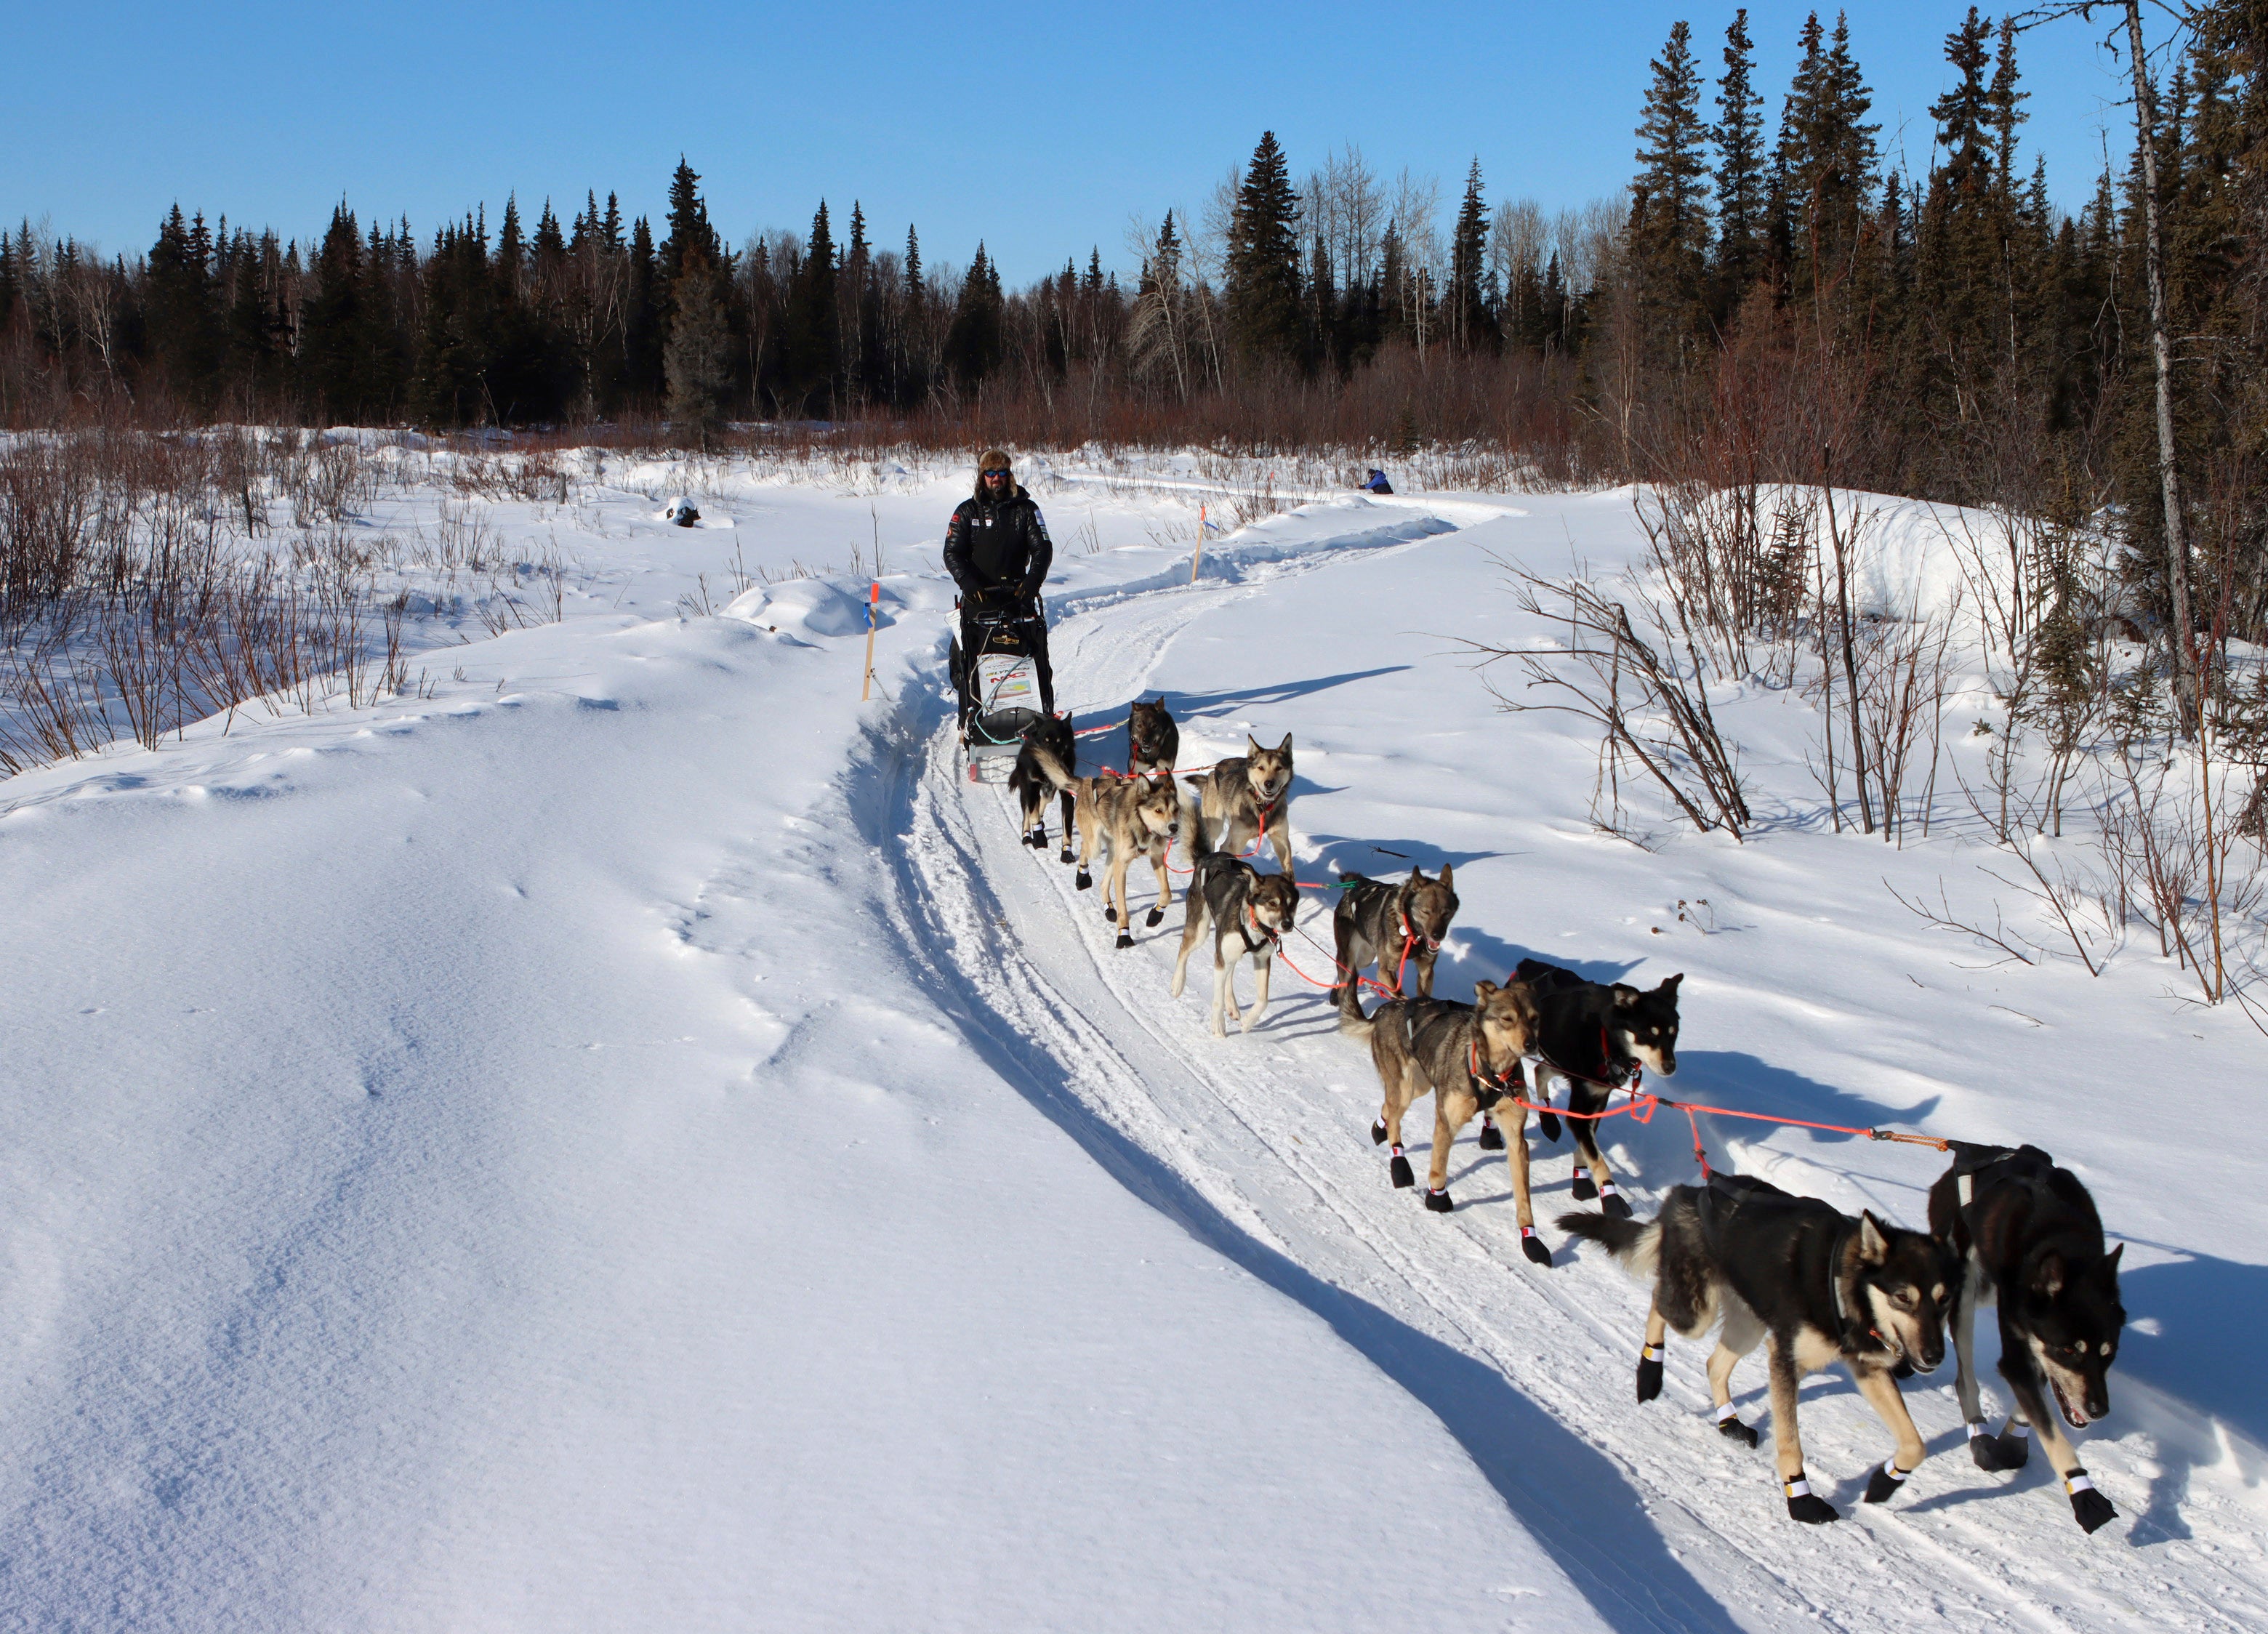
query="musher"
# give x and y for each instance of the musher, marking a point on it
(999, 552)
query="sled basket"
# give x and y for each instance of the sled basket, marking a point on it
(1008, 703)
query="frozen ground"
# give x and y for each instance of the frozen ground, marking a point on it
(626, 1138)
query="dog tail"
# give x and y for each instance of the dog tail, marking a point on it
(1193, 824)
(1058, 774)
(1635, 1247)
(1352, 1022)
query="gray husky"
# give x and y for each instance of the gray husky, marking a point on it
(1128, 817)
(1250, 795)
(1468, 1056)
(1237, 901)
(1820, 1286)
(1377, 921)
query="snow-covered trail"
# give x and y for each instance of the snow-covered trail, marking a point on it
(1259, 1144)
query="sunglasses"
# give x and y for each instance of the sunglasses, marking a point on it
(1001, 470)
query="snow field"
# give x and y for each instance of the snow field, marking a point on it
(464, 1169)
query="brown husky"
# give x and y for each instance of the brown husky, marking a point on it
(1250, 795)
(1238, 900)
(1469, 1055)
(1378, 921)
(1127, 817)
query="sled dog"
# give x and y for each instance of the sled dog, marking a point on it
(2028, 1240)
(1374, 921)
(1468, 1056)
(1238, 902)
(1030, 782)
(1152, 741)
(1125, 817)
(1250, 795)
(1597, 1035)
(1818, 1286)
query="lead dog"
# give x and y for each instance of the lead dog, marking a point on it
(1469, 1057)
(1377, 921)
(2029, 1242)
(1820, 1286)
(1250, 795)
(1596, 1035)
(1125, 818)
(1029, 781)
(1152, 741)
(1236, 900)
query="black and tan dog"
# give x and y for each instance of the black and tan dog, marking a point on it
(1238, 902)
(1250, 795)
(1153, 743)
(1379, 922)
(1030, 782)
(1597, 1035)
(1820, 1286)
(1469, 1057)
(1123, 818)
(2029, 1243)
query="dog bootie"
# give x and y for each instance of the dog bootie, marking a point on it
(1085, 879)
(1491, 1137)
(1548, 1122)
(1805, 1505)
(2088, 1506)
(1998, 1452)
(1157, 918)
(1532, 1245)
(1729, 1426)
(1610, 1202)
(1378, 1133)
(1649, 1372)
(1585, 1187)
(1397, 1170)
(1883, 1484)
(1439, 1201)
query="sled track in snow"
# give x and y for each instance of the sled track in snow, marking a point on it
(1258, 1146)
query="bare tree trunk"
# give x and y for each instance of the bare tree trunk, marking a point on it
(1850, 655)
(2177, 568)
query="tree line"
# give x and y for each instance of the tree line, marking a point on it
(1769, 296)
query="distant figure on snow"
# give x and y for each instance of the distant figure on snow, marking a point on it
(999, 552)
(1377, 485)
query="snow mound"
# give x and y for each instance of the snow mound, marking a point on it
(809, 606)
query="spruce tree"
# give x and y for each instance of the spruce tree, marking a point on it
(1742, 183)
(1670, 222)
(1465, 313)
(972, 344)
(695, 362)
(1263, 261)
(1826, 161)
(813, 338)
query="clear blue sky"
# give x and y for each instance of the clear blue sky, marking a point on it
(1041, 128)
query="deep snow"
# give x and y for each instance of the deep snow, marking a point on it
(628, 1139)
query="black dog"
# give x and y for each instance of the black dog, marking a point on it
(1596, 1035)
(1030, 782)
(1153, 743)
(2031, 1242)
(1379, 922)
(1820, 1285)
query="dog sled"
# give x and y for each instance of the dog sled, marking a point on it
(1000, 687)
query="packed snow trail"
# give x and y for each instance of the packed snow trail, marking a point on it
(1259, 1143)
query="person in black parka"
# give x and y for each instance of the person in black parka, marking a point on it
(998, 550)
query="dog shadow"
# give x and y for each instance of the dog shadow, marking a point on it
(2207, 1314)
(1486, 958)
(1205, 705)
(1384, 860)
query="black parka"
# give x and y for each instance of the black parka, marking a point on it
(997, 551)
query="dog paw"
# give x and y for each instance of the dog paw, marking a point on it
(1085, 881)
(1811, 1509)
(1491, 1137)
(1649, 1379)
(2091, 1509)
(1378, 1133)
(2001, 1453)
(1125, 940)
(1110, 914)
(1398, 1171)
(1585, 1187)
(1882, 1486)
(1157, 918)
(1548, 1122)
(1439, 1201)
(1532, 1245)
(1733, 1429)
(1615, 1206)
(1065, 856)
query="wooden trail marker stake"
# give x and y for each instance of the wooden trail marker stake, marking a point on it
(1198, 554)
(874, 604)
